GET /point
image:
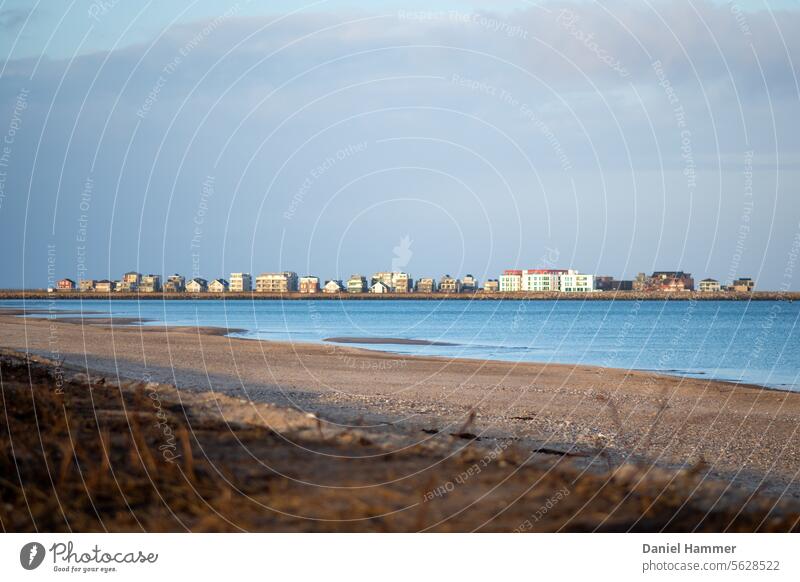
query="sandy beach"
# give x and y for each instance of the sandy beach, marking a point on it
(744, 435)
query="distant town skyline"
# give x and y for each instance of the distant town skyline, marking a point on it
(429, 137)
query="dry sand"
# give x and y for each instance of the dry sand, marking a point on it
(747, 435)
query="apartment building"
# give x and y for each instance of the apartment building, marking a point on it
(491, 286)
(285, 282)
(197, 285)
(175, 283)
(150, 284)
(402, 283)
(511, 281)
(130, 282)
(448, 284)
(540, 280)
(241, 282)
(574, 282)
(469, 284)
(309, 284)
(426, 285)
(333, 286)
(607, 283)
(710, 286)
(356, 284)
(219, 286)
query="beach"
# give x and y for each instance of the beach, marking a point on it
(745, 436)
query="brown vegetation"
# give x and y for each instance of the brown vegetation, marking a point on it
(133, 457)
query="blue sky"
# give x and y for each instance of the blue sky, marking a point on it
(215, 137)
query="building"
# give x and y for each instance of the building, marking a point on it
(511, 281)
(309, 284)
(542, 280)
(743, 285)
(87, 285)
(285, 282)
(219, 286)
(130, 282)
(356, 284)
(397, 282)
(402, 283)
(105, 286)
(197, 285)
(379, 287)
(175, 284)
(491, 286)
(241, 282)
(150, 284)
(606, 283)
(574, 282)
(426, 285)
(65, 285)
(710, 286)
(469, 284)
(664, 281)
(448, 284)
(333, 286)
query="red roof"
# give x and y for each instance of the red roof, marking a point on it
(512, 272)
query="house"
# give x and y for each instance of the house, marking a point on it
(743, 285)
(426, 285)
(65, 285)
(379, 287)
(197, 285)
(175, 284)
(469, 284)
(309, 284)
(104, 286)
(664, 281)
(448, 284)
(356, 284)
(491, 286)
(87, 285)
(396, 281)
(710, 286)
(241, 282)
(130, 282)
(333, 286)
(511, 281)
(284, 282)
(218, 286)
(150, 284)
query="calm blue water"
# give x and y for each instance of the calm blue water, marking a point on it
(756, 342)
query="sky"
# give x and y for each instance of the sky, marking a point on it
(452, 137)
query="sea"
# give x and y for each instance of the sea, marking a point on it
(754, 342)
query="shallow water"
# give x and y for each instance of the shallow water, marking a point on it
(757, 342)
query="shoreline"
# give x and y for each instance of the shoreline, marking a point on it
(742, 432)
(43, 295)
(134, 323)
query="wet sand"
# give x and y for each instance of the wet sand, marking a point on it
(397, 341)
(742, 433)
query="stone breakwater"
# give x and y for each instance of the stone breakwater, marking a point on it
(40, 294)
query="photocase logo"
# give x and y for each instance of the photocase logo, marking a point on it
(31, 555)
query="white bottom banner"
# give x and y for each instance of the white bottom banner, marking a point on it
(407, 557)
